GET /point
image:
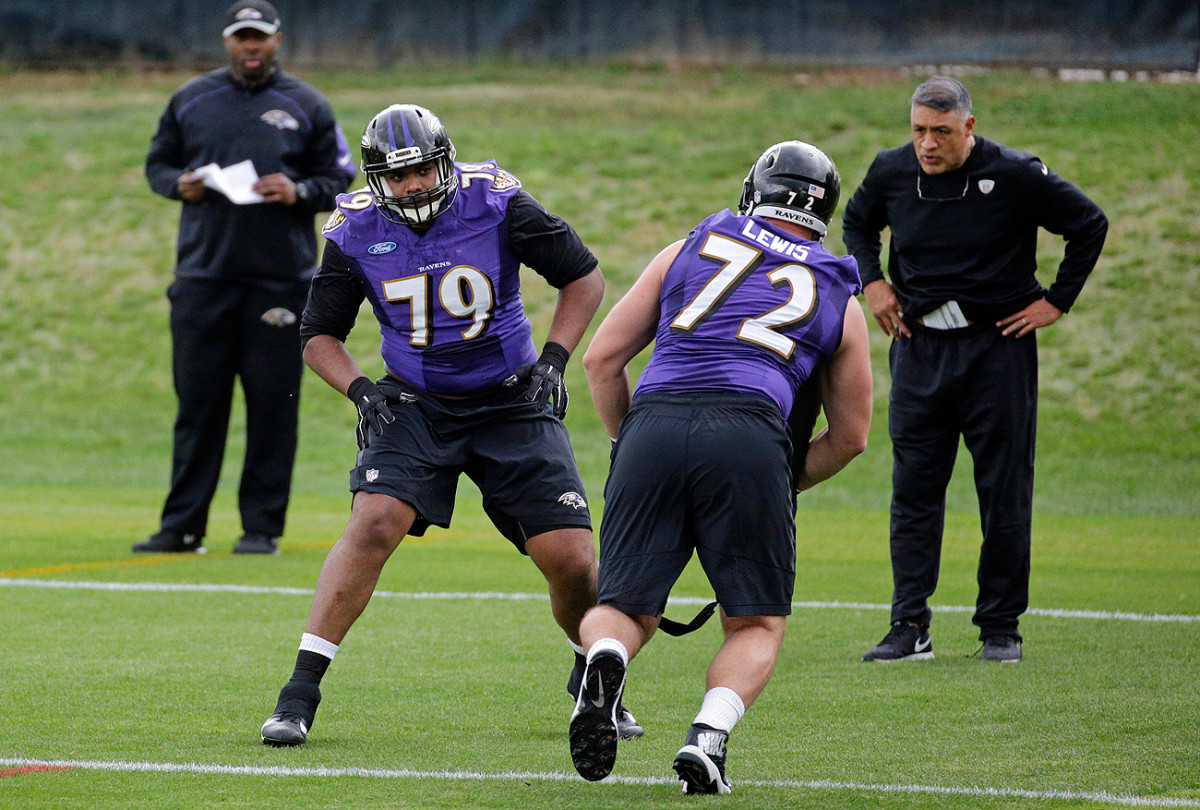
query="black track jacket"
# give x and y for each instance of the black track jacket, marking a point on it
(282, 125)
(970, 235)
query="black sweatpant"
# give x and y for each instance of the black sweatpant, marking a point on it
(218, 333)
(978, 384)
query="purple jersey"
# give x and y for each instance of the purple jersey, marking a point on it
(747, 306)
(448, 301)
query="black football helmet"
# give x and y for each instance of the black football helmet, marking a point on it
(793, 181)
(408, 135)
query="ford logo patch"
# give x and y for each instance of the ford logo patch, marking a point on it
(380, 248)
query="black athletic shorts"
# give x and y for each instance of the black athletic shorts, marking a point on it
(519, 457)
(708, 472)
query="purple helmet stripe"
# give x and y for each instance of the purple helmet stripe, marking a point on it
(408, 141)
(391, 134)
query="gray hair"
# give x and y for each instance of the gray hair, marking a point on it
(943, 94)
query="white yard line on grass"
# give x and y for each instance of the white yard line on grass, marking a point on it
(1103, 797)
(171, 587)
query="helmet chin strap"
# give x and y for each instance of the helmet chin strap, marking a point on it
(422, 213)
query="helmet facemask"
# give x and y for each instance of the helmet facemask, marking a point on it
(419, 208)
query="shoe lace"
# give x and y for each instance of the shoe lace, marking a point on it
(290, 717)
(900, 632)
(997, 641)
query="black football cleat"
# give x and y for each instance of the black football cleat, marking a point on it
(284, 730)
(700, 763)
(294, 712)
(628, 728)
(593, 731)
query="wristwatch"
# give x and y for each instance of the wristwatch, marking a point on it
(303, 191)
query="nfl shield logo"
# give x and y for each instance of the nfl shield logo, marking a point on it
(986, 186)
(372, 475)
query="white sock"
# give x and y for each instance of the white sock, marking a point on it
(609, 645)
(577, 647)
(722, 709)
(318, 645)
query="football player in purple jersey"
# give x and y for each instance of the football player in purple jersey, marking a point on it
(436, 246)
(742, 313)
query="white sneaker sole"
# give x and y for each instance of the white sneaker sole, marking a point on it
(921, 656)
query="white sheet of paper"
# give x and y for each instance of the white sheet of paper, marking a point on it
(235, 182)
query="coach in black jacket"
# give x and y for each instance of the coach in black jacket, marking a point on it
(962, 308)
(242, 273)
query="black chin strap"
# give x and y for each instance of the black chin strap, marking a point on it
(674, 628)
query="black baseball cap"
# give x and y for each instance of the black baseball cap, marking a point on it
(257, 14)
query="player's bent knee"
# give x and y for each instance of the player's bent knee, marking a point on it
(566, 557)
(378, 521)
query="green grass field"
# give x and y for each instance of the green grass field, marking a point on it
(141, 683)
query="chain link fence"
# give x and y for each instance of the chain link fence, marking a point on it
(1125, 35)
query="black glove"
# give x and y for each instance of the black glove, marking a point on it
(373, 411)
(545, 379)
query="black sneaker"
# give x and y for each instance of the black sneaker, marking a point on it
(293, 717)
(628, 728)
(166, 542)
(1005, 649)
(256, 543)
(904, 642)
(593, 731)
(701, 761)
